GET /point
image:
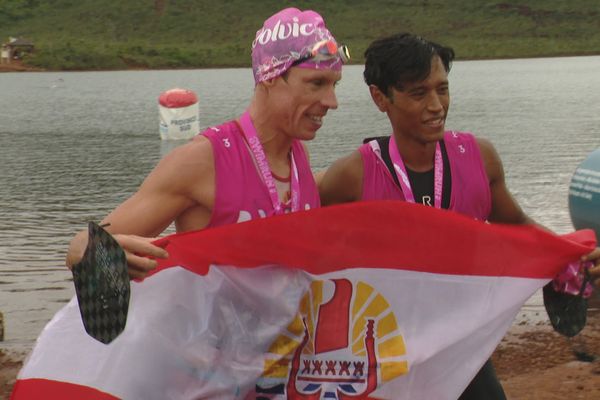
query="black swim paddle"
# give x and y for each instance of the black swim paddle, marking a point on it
(102, 286)
(567, 312)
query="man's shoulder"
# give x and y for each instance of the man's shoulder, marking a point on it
(350, 166)
(196, 155)
(487, 149)
(463, 136)
(217, 131)
(489, 157)
(342, 182)
(462, 142)
(459, 136)
(378, 139)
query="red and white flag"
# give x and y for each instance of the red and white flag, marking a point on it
(377, 300)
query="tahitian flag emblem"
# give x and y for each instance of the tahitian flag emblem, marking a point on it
(343, 343)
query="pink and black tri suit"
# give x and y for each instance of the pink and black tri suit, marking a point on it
(469, 195)
(470, 190)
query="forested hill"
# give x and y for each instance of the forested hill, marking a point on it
(106, 34)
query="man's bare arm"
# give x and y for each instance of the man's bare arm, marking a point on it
(342, 182)
(505, 209)
(183, 179)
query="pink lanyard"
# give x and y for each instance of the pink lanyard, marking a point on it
(263, 166)
(400, 169)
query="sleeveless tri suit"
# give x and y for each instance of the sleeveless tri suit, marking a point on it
(467, 171)
(240, 193)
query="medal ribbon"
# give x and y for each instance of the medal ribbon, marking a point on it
(260, 157)
(402, 175)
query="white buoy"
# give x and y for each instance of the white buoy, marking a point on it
(178, 110)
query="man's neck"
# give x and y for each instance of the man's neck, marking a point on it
(417, 156)
(276, 145)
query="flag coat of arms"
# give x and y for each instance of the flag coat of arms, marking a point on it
(373, 300)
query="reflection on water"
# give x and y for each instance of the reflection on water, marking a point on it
(74, 145)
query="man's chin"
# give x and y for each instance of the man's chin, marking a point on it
(435, 135)
(308, 134)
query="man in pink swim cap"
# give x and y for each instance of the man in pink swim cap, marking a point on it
(296, 63)
(294, 38)
(220, 177)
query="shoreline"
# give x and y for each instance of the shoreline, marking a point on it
(19, 67)
(10, 364)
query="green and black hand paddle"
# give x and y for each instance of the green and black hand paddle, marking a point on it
(102, 286)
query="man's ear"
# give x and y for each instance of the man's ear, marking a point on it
(379, 98)
(269, 82)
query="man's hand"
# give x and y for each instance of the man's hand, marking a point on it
(594, 257)
(141, 254)
(139, 251)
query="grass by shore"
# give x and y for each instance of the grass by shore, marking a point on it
(102, 35)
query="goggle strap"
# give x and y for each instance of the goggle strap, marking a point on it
(325, 50)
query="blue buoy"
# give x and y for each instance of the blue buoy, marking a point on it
(584, 194)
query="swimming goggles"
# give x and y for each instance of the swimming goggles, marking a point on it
(325, 50)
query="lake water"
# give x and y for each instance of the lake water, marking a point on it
(74, 145)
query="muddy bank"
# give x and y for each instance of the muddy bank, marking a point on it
(535, 362)
(17, 66)
(9, 368)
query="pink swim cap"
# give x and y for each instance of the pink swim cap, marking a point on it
(286, 37)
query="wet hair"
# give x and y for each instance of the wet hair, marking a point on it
(393, 61)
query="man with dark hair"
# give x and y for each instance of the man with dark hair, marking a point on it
(421, 162)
